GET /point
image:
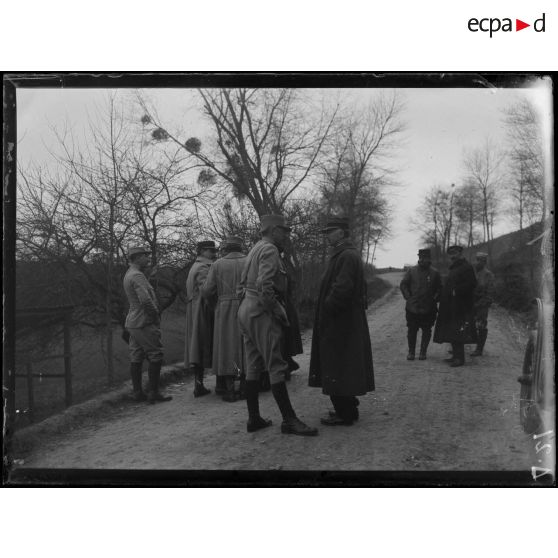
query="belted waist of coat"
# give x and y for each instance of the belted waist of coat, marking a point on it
(251, 293)
(232, 296)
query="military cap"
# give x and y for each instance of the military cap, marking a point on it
(206, 245)
(230, 241)
(424, 253)
(336, 223)
(456, 249)
(135, 250)
(481, 256)
(270, 221)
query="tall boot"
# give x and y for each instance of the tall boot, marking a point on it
(424, 341)
(482, 335)
(291, 423)
(255, 421)
(229, 394)
(199, 389)
(220, 385)
(458, 355)
(135, 373)
(412, 341)
(154, 373)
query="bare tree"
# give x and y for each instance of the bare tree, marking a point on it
(483, 167)
(105, 194)
(266, 142)
(527, 162)
(355, 170)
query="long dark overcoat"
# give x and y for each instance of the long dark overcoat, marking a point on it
(341, 358)
(455, 323)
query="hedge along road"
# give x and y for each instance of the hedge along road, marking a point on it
(423, 416)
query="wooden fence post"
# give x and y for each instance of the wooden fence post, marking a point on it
(30, 398)
(68, 358)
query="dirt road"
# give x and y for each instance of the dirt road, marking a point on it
(423, 416)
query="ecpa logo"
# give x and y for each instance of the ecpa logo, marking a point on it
(492, 25)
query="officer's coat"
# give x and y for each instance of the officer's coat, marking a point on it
(199, 317)
(144, 308)
(421, 289)
(341, 359)
(221, 290)
(261, 316)
(455, 323)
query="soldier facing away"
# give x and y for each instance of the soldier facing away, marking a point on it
(262, 317)
(341, 358)
(143, 324)
(483, 300)
(455, 323)
(221, 289)
(199, 317)
(421, 287)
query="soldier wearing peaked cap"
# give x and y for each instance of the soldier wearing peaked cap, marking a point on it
(341, 359)
(421, 287)
(483, 300)
(143, 325)
(199, 317)
(221, 290)
(455, 322)
(261, 317)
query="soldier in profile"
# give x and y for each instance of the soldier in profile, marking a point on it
(421, 287)
(199, 317)
(483, 300)
(262, 318)
(143, 323)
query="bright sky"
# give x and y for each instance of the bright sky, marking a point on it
(440, 124)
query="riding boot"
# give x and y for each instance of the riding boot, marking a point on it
(154, 373)
(458, 355)
(229, 395)
(412, 341)
(424, 341)
(241, 392)
(199, 389)
(265, 384)
(135, 373)
(255, 421)
(291, 423)
(220, 385)
(482, 335)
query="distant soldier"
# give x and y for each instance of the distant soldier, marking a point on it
(341, 358)
(199, 317)
(262, 318)
(455, 323)
(221, 289)
(421, 287)
(143, 325)
(483, 300)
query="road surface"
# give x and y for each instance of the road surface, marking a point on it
(423, 416)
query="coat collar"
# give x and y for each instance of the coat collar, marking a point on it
(234, 256)
(344, 244)
(201, 259)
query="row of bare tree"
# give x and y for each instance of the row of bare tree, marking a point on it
(136, 179)
(496, 182)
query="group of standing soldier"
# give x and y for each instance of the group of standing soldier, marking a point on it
(242, 323)
(458, 307)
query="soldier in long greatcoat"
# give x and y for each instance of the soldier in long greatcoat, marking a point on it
(341, 359)
(455, 323)
(483, 300)
(199, 317)
(262, 317)
(221, 289)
